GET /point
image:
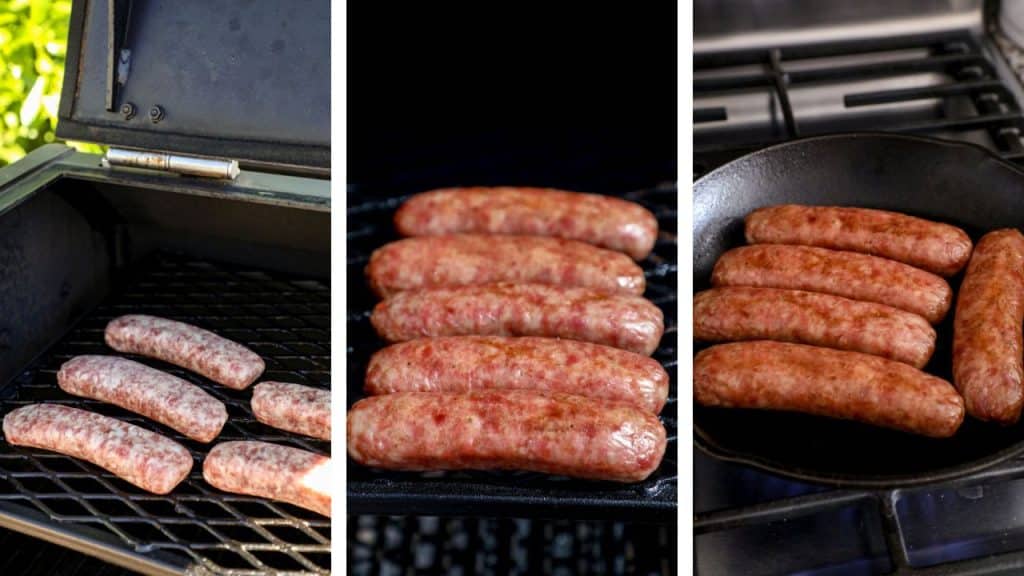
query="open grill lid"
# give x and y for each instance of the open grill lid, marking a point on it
(236, 79)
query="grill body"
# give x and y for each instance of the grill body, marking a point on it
(248, 259)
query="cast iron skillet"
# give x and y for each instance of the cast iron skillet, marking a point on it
(952, 182)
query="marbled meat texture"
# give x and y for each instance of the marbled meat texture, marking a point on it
(138, 456)
(627, 322)
(272, 471)
(293, 407)
(506, 429)
(187, 346)
(466, 363)
(156, 395)
(600, 220)
(469, 259)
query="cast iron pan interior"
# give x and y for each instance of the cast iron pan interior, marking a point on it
(952, 182)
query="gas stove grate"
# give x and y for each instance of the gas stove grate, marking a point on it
(196, 528)
(508, 493)
(886, 503)
(972, 98)
(508, 546)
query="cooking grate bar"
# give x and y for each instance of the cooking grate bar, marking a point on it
(715, 114)
(972, 88)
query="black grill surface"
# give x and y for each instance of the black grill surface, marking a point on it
(286, 321)
(509, 546)
(508, 493)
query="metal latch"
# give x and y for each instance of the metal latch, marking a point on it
(208, 167)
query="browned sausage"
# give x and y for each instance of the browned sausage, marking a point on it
(987, 329)
(939, 248)
(743, 313)
(506, 429)
(600, 220)
(627, 322)
(469, 259)
(465, 363)
(834, 383)
(847, 274)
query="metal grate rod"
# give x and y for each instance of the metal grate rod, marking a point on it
(923, 92)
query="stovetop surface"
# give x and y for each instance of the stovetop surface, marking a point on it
(955, 86)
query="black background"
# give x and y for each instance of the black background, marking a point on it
(580, 96)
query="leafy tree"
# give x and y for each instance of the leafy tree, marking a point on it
(33, 42)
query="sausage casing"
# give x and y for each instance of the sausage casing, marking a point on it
(987, 345)
(834, 383)
(136, 455)
(847, 274)
(470, 259)
(271, 471)
(627, 322)
(192, 348)
(506, 429)
(293, 407)
(933, 246)
(744, 313)
(465, 363)
(600, 220)
(156, 395)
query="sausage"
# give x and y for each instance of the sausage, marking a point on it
(627, 322)
(847, 274)
(506, 429)
(156, 395)
(834, 383)
(742, 313)
(600, 220)
(938, 248)
(293, 407)
(271, 471)
(187, 346)
(138, 456)
(468, 259)
(465, 363)
(987, 345)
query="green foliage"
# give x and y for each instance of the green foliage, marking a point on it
(33, 37)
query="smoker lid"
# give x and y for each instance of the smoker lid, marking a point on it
(234, 78)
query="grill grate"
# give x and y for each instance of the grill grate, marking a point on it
(508, 493)
(284, 320)
(464, 546)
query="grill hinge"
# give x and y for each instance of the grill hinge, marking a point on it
(191, 165)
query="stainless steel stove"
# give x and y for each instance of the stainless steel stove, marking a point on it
(769, 71)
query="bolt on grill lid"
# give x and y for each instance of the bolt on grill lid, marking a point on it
(243, 80)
